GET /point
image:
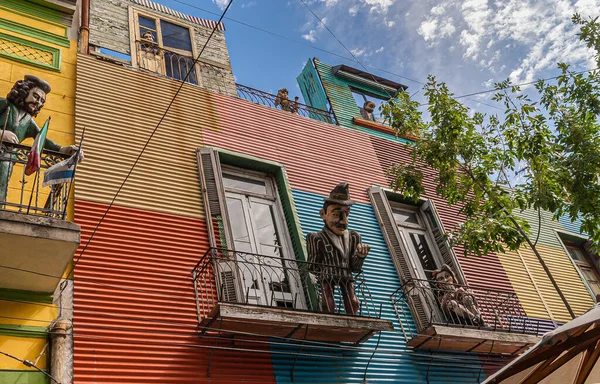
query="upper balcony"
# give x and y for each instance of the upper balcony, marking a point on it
(465, 318)
(37, 241)
(246, 293)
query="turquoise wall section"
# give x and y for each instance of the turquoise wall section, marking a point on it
(393, 362)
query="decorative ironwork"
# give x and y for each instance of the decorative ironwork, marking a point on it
(268, 99)
(500, 310)
(224, 275)
(32, 198)
(29, 52)
(16, 49)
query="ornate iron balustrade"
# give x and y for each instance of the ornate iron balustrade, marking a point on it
(269, 100)
(171, 64)
(434, 304)
(31, 198)
(224, 275)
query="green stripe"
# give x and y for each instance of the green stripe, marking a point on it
(37, 297)
(33, 9)
(23, 331)
(34, 32)
(13, 376)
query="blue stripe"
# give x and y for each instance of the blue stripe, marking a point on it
(59, 175)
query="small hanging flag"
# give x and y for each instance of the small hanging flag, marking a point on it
(34, 158)
(62, 172)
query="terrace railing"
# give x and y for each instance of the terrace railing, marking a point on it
(270, 100)
(268, 280)
(30, 197)
(433, 304)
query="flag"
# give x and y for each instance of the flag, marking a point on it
(34, 158)
(62, 172)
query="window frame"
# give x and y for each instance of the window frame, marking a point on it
(579, 264)
(134, 37)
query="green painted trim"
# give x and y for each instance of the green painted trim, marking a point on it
(40, 11)
(56, 53)
(14, 376)
(37, 297)
(34, 32)
(23, 331)
(285, 195)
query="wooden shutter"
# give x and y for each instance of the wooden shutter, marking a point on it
(407, 274)
(435, 226)
(213, 197)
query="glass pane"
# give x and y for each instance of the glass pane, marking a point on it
(576, 254)
(175, 36)
(265, 224)
(239, 227)
(423, 253)
(595, 287)
(244, 184)
(147, 23)
(405, 217)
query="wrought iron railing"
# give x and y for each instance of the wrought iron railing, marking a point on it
(171, 64)
(270, 100)
(434, 303)
(247, 278)
(30, 197)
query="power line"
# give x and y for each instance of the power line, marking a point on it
(30, 364)
(183, 81)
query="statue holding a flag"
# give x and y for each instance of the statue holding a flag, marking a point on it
(17, 110)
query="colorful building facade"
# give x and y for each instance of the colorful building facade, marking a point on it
(228, 186)
(38, 237)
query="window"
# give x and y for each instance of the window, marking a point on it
(582, 260)
(245, 216)
(164, 47)
(361, 98)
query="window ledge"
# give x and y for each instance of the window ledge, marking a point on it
(286, 323)
(381, 128)
(450, 338)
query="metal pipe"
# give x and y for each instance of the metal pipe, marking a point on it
(84, 29)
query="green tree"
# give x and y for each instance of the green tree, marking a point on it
(552, 145)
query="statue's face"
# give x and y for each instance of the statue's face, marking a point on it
(336, 218)
(445, 279)
(283, 95)
(369, 107)
(35, 100)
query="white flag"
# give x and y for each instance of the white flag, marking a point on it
(62, 172)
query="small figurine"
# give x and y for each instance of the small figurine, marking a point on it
(458, 302)
(24, 101)
(367, 110)
(335, 253)
(149, 54)
(286, 105)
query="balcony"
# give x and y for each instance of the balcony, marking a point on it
(270, 100)
(464, 318)
(246, 293)
(207, 74)
(37, 241)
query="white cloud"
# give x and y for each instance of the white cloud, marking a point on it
(330, 3)
(432, 29)
(380, 6)
(353, 10)
(380, 50)
(248, 4)
(390, 23)
(427, 29)
(310, 36)
(358, 52)
(438, 10)
(221, 3)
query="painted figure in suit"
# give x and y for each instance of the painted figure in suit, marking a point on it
(335, 253)
(17, 110)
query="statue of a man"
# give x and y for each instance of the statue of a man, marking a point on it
(335, 253)
(456, 301)
(367, 110)
(283, 101)
(22, 104)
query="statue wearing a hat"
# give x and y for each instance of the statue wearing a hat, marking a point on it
(17, 110)
(335, 252)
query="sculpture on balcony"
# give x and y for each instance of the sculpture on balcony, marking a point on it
(335, 253)
(367, 110)
(149, 54)
(456, 301)
(284, 103)
(24, 101)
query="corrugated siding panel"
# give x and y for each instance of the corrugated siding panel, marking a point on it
(571, 226)
(394, 363)
(343, 103)
(135, 318)
(115, 106)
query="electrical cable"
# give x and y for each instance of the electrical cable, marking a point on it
(183, 81)
(30, 364)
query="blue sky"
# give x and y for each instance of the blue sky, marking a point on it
(468, 44)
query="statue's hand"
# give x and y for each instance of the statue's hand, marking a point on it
(69, 150)
(10, 137)
(362, 250)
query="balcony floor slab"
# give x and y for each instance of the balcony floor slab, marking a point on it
(287, 323)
